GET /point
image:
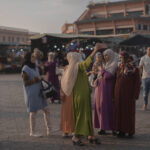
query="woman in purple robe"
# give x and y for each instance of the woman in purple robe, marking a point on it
(105, 82)
(50, 69)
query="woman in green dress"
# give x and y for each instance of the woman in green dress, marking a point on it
(76, 81)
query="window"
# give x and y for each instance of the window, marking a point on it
(70, 27)
(104, 32)
(124, 30)
(12, 39)
(135, 13)
(88, 32)
(9, 39)
(148, 9)
(97, 15)
(139, 27)
(18, 39)
(117, 15)
(145, 27)
(93, 17)
(4, 38)
(22, 39)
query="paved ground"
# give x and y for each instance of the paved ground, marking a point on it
(14, 125)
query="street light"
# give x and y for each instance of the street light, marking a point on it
(55, 46)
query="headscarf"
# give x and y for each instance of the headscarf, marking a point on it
(96, 64)
(52, 56)
(111, 65)
(126, 67)
(98, 54)
(70, 75)
(125, 55)
(27, 61)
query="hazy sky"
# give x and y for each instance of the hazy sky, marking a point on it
(45, 16)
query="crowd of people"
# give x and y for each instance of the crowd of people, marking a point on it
(103, 97)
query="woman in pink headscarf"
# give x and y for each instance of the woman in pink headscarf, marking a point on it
(105, 82)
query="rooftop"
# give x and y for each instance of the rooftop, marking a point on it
(113, 17)
(13, 29)
(74, 36)
(93, 4)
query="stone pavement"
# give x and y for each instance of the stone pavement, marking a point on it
(14, 127)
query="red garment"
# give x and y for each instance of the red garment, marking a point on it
(127, 90)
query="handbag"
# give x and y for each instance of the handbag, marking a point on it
(48, 90)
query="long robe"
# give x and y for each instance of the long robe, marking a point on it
(103, 107)
(82, 109)
(67, 122)
(127, 90)
(53, 78)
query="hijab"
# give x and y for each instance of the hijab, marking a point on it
(127, 67)
(51, 57)
(70, 75)
(96, 64)
(111, 65)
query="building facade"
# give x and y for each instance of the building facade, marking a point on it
(14, 36)
(113, 18)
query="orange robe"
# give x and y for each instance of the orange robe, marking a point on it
(67, 122)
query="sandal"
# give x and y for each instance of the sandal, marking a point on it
(101, 132)
(121, 135)
(114, 133)
(65, 135)
(94, 141)
(77, 143)
(130, 136)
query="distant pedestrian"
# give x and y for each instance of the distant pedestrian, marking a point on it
(33, 97)
(82, 55)
(38, 60)
(145, 68)
(52, 75)
(37, 55)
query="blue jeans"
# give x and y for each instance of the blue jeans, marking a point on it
(146, 89)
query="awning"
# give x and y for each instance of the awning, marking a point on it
(137, 40)
(74, 36)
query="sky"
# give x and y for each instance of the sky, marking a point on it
(43, 16)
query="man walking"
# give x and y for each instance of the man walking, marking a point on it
(145, 67)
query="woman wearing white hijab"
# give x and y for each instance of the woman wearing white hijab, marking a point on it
(75, 81)
(110, 59)
(103, 111)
